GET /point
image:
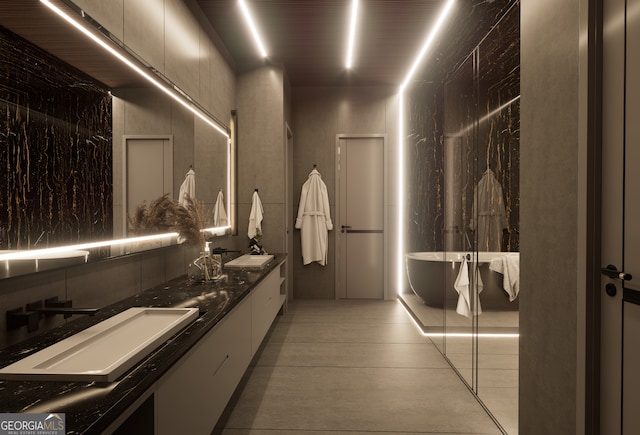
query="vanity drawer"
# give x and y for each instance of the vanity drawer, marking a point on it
(265, 304)
(192, 396)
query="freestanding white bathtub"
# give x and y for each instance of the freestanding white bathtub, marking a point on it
(432, 275)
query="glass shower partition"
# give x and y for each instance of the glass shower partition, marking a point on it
(460, 96)
(462, 211)
(499, 193)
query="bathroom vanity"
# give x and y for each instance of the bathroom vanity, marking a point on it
(184, 384)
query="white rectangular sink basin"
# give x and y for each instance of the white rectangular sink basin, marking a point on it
(105, 351)
(249, 260)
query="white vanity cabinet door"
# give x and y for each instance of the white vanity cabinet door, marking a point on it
(265, 304)
(192, 396)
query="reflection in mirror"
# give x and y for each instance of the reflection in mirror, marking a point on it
(55, 148)
(68, 165)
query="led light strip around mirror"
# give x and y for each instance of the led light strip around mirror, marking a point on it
(162, 84)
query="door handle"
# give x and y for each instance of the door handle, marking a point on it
(612, 272)
(344, 227)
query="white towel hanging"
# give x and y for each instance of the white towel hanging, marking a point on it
(463, 287)
(255, 217)
(219, 213)
(188, 187)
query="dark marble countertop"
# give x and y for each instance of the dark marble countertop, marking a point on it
(92, 407)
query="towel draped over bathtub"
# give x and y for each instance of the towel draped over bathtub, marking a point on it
(463, 287)
(509, 267)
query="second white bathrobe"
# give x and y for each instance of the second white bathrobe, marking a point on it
(489, 217)
(314, 219)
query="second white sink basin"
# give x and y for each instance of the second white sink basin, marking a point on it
(105, 351)
(249, 260)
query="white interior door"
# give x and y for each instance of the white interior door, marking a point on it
(620, 292)
(148, 171)
(361, 218)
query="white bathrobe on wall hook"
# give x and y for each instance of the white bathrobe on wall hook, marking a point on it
(314, 219)
(489, 216)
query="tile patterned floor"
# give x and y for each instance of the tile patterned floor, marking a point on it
(349, 368)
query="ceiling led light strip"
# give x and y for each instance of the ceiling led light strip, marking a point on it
(252, 28)
(154, 81)
(352, 33)
(428, 41)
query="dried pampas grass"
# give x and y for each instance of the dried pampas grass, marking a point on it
(188, 220)
(155, 218)
(165, 214)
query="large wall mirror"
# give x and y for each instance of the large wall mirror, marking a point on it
(85, 141)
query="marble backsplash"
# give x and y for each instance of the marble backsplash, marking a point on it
(462, 119)
(55, 150)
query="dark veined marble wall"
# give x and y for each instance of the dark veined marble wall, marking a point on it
(55, 150)
(463, 118)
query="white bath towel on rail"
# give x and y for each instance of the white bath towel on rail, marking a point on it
(463, 287)
(509, 267)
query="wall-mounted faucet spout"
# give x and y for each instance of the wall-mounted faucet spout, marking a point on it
(54, 306)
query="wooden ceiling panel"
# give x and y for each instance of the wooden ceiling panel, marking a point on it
(309, 37)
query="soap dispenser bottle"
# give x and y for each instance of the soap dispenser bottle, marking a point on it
(206, 263)
(201, 269)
